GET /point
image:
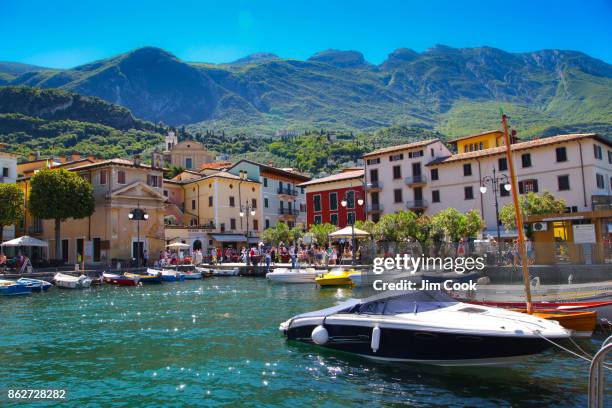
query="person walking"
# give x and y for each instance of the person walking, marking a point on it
(293, 256)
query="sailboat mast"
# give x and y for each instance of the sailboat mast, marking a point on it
(518, 215)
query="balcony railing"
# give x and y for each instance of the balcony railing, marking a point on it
(417, 204)
(204, 224)
(375, 185)
(421, 179)
(374, 207)
(288, 211)
(287, 191)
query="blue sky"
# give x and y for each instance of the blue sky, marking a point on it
(65, 33)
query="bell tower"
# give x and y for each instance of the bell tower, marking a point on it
(171, 140)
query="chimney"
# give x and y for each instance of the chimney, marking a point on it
(76, 156)
(136, 160)
(91, 158)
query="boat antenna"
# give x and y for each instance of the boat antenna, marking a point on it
(518, 214)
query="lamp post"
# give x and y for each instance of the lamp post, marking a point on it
(344, 203)
(138, 214)
(494, 181)
(245, 210)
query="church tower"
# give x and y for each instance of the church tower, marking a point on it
(171, 140)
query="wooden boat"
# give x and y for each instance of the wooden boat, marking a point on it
(335, 277)
(121, 280)
(144, 278)
(37, 285)
(71, 282)
(12, 288)
(582, 324)
(603, 308)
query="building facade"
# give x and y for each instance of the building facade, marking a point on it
(8, 174)
(324, 198)
(187, 154)
(282, 200)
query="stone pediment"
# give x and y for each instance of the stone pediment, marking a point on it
(137, 190)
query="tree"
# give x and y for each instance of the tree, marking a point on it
(367, 226)
(277, 234)
(296, 233)
(454, 225)
(531, 204)
(321, 232)
(11, 205)
(473, 223)
(58, 195)
(397, 226)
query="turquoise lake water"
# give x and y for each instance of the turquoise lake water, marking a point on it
(216, 343)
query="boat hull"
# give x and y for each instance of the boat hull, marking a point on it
(582, 324)
(292, 277)
(72, 282)
(36, 285)
(192, 276)
(425, 347)
(120, 280)
(14, 289)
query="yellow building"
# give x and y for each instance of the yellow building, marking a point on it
(219, 210)
(187, 154)
(479, 141)
(108, 235)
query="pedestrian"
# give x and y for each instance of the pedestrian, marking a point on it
(293, 256)
(268, 260)
(213, 256)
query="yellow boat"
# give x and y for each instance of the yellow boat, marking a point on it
(335, 277)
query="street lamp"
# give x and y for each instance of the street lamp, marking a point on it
(494, 182)
(245, 210)
(138, 214)
(344, 203)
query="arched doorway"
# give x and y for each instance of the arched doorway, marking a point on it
(197, 244)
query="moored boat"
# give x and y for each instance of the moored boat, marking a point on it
(167, 275)
(335, 277)
(12, 288)
(225, 272)
(582, 324)
(37, 285)
(425, 327)
(285, 275)
(121, 280)
(192, 275)
(63, 280)
(145, 277)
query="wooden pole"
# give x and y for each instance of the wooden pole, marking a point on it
(518, 215)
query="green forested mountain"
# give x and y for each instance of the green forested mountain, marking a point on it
(454, 91)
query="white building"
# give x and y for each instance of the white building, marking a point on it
(281, 199)
(8, 174)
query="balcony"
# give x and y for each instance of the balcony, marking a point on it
(204, 224)
(417, 204)
(416, 180)
(289, 211)
(287, 191)
(374, 208)
(374, 185)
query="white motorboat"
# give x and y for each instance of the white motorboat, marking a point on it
(425, 327)
(72, 282)
(225, 272)
(167, 275)
(285, 275)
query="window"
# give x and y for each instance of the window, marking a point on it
(502, 190)
(528, 186)
(597, 151)
(267, 223)
(467, 169)
(121, 177)
(317, 219)
(610, 156)
(502, 164)
(373, 174)
(397, 172)
(266, 202)
(103, 177)
(265, 182)
(210, 201)
(96, 249)
(373, 161)
(188, 163)
(396, 157)
(333, 219)
(222, 227)
(561, 153)
(5, 172)
(563, 182)
(469, 193)
(232, 223)
(526, 160)
(350, 199)
(302, 207)
(232, 201)
(301, 190)
(435, 196)
(333, 201)
(154, 181)
(316, 201)
(431, 152)
(599, 178)
(193, 204)
(254, 202)
(397, 195)
(255, 224)
(350, 218)
(434, 175)
(418, 153)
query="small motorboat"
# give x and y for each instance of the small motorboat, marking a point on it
(144, 277)
(335, 277)
(427, 327)
(226, 272)
(37, 285)
(121, 280)
(167, 275)
(63, 280)
(205, 272)
(285, 275)
(12, 288)
(192, 275)
(582, 324)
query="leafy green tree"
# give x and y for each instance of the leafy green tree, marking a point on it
(531, 204)
(296, 233)
(58, 194)
(11, 205)
(473, 223)
(321, 232)
(367, 226)
(277, 234)
(174, 171)
(454, 225)
(397, 226)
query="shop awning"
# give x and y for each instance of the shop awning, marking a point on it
(229, 238)
(25, 241)
(503, 233)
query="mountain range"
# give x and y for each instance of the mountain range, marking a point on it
(451, 90)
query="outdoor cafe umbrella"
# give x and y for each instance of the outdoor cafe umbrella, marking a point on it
(26, 241)
(348, 232)
(178, 245)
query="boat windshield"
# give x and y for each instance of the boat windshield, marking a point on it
(406, 302)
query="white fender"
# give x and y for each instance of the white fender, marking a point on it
(375, 343)
(320, 335)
